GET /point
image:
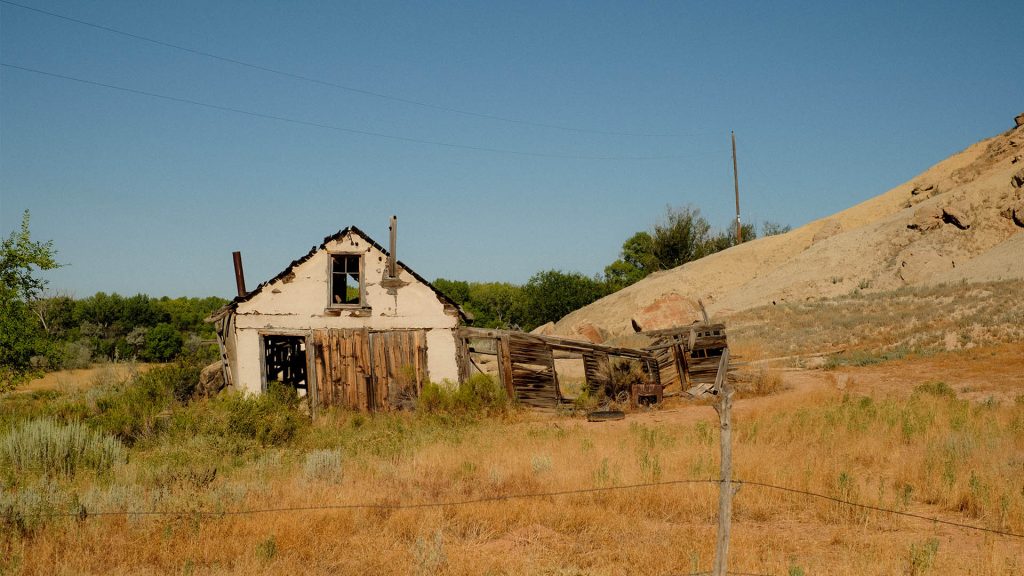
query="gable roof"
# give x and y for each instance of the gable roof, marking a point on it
(230, 306)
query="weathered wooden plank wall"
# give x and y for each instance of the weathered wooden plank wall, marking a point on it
(368, 370)
(689, 356)
(533, 372)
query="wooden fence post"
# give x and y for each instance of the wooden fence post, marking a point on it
(725, 490)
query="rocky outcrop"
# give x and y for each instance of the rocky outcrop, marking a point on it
(956, 216)
(1015, 212)
(1017, 180)
(544, 329)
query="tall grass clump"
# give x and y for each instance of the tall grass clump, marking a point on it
(760, 382)
(323, 465)
(271, 419)
(46, 447)
(479, 394)
(25, 511)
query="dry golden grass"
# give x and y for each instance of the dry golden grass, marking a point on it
(81, 378)
(925, 451)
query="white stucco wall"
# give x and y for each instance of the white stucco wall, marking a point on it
(299, 303)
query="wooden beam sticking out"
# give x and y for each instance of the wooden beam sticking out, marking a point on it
(393, 255)
(239, 274)
(556, 343)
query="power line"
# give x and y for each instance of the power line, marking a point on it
(335, 127)
(347, 88)
(521, 496)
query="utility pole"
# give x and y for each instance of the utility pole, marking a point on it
(725, 489)
(736, 185)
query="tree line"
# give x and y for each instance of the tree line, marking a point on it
(682, 235)
(40, 332)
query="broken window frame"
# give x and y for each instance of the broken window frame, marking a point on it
(331, 274)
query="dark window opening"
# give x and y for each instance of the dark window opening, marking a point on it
(284, 361)
(345, 280)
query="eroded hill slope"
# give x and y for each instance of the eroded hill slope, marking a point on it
(960, 220)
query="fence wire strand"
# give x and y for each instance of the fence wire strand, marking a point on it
(83, 513)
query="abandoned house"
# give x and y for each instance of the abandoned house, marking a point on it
(348, 325)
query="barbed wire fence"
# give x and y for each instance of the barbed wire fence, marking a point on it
(84, 513)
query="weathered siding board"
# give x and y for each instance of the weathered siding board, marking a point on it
(689, 355)
(369, 370)
(597, 371)
(533, 371)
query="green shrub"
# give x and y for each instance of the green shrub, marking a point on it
(131, 409)
(24, 511)
(271, 418)
(53, 449)
(923, 557)
(480, 393)
(163, 343)
(138, 408)
(940, 389)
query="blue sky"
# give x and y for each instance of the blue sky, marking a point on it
(832, 103)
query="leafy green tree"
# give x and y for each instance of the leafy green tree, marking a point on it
(727, 238)
(102, 311)
(636, 261)
(769, 228)
(187, 314)
(21, 258)
(21, 336)
(140, 310)
(552, 294)
(681, 237)
(163, 343)
(497, 305)
(457, 290)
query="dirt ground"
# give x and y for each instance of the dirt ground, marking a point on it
(977, 374)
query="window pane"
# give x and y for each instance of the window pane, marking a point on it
(345, 279)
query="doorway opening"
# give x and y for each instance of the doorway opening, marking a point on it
(284, 361)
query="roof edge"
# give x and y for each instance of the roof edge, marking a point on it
(233, 304)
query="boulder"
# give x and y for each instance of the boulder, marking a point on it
(926, 218)
(544, 329)
(211, 380)
(667, 311)
(924, 189)
(1015, 212)
(1019, 120)
(591, 333)
(1017, 180)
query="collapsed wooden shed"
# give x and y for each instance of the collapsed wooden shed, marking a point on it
(689, 356)
(527, 365)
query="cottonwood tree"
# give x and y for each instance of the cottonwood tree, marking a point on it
(21, 334)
